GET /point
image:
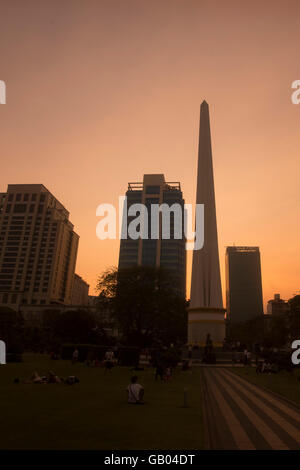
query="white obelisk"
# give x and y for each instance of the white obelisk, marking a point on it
(206, 313)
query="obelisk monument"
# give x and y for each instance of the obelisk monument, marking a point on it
(206, 313)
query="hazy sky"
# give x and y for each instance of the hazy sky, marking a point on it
(101, 92)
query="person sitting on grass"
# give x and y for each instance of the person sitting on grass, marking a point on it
(52, 378)
(135, 392)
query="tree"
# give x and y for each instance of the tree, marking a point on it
(277, 335)
(75, 326)
(144, 303)
(11, 329)
(248, 332)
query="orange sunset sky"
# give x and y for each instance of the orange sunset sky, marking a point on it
(100, 92)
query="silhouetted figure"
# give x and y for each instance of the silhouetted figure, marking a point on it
(159, 372)
(135, 392)
(209, 355)
(75, 356)
(245, 356)
(108, 360)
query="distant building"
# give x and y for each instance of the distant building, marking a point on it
(38, 248)
(167, 253)
(244, 299)
(80, 291)
(277, 306)
(92, 300)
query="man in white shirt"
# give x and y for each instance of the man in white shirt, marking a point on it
(135, 392)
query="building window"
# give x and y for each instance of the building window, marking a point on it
(20, 208)
(152, 189)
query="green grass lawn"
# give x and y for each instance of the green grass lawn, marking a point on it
(94, 414)
(284, 383)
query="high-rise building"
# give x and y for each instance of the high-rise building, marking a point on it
(244, 299)
(206, 313)
(159, 252)
(278, 306)
(80, 292)
(38, 248)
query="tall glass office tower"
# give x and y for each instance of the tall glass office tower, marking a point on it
(158, 252)
(244, 299)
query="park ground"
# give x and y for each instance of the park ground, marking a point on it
(94, 414)
(242, 415)
(286, 384)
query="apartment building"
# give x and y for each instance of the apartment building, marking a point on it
(38, 248)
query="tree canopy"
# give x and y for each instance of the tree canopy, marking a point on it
(145, 305)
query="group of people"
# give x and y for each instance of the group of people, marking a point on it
(266, 367)
(245, 357)
(164, 373)
(135, 390)
(263, 365)
(108, 362)
(51, 378)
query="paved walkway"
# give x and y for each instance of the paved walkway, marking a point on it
(240, 415)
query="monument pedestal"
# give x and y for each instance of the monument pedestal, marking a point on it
(203, 321)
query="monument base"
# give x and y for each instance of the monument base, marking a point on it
(203, 321)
